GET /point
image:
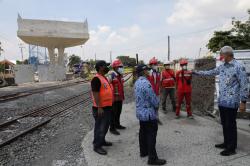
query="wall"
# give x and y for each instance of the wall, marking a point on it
(203, 88)
(23, 73)
(51, 73)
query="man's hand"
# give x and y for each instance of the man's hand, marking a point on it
(242, 107)
(100, 111)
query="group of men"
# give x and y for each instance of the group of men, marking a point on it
(167, 81)
(108, 95)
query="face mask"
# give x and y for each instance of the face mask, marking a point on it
(154, 67)
(120, 70)
(106, 70)
(184, 67)
(150, 72)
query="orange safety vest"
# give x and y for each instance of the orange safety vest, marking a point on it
(105, 94)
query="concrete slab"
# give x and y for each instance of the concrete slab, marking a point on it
(182, 142)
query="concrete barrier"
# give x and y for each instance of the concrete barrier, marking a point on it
(203, 88)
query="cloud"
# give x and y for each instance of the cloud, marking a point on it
(203, 11)
(104, 39)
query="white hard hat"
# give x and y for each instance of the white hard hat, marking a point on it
(167, 62)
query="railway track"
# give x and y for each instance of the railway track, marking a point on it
(17, 95)
(13, 129)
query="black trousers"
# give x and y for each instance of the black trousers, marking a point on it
(101, 126)
(147, 138)
(115, 115)
(228, 121)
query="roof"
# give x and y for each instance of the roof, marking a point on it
(7, 62)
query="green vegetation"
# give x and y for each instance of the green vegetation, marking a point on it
(238, 37)
(73, 60)
(127, 61)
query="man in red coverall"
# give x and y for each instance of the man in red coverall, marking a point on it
(116, 79)
(155, 78)
(184, 88)
(168, 86)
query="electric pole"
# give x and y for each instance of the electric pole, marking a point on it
(137, 61)
(110, 56)
(199, 53)
(1, 49)
(169, 48)
(21, 47)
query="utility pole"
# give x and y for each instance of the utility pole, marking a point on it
(21, 47)
(1, 49)
(137, 60)
(110, 56)
(169, 48)
(199, 53)
(95, 57)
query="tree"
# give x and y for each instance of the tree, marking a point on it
(141, 62)
(73, 60)
(1, 68)
(238, 37)
(127, 61)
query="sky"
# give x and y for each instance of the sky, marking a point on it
(127, 27)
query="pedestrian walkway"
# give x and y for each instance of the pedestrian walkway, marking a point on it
(182, 142)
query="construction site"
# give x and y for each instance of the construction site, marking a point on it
(48, 97)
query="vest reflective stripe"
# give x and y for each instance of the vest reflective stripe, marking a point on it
(105, 94)
(168, 79)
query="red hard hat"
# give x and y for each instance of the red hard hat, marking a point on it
(117, 63)
(183, 62)
(153, 61)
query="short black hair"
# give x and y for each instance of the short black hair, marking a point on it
(100, 63)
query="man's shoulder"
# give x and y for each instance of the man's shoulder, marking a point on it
(142, 81)
(239, 65)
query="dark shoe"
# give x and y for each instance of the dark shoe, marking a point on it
(227, 152)
(157, 162)
(220, 146)
(115, 132)
(120, 127)
(107, 144)
(143, 155)
(190, 117)
(100, 151)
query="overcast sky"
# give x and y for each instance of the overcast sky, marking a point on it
(127, 27)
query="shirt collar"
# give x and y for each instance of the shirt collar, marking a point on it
(230, 63)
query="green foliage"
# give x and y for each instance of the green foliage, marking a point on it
(73, 60)
(141, 62)
(26, 61)
(238, 37)
(1, 68)
(127, 61)
(18, 62)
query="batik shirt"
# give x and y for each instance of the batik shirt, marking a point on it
(147, 102)
(233, 83)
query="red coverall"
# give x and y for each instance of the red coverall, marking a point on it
(184, 89)
(155, 80)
